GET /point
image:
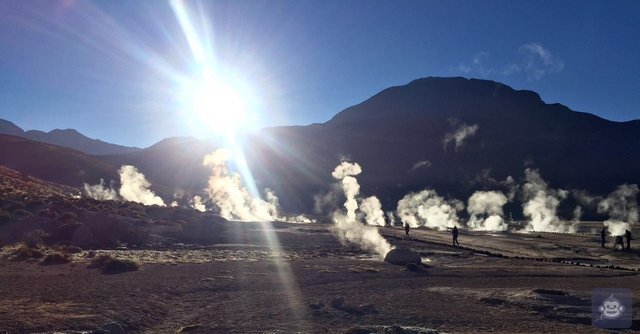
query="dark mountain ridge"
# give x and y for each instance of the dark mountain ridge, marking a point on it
(398, 137)
(401, 126)
(68, 138)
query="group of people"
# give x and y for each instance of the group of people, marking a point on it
(454, 233)
(603, 236)
(619, 239)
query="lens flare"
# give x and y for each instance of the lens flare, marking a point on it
(215, 104)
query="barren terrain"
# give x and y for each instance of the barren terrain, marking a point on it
(282, 278)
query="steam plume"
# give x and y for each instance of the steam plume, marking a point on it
(227, 192)
(541, 204)
(372, 209)
(196, 203)
(100, 192)
(459, 135)
(347, 227)
(485, 210)
(428, 209)
(419, 165)
(134, 187)
(622, 208)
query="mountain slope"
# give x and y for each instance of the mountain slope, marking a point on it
(402, 127)
(175, 163)
(403, 137)
(67, 138)
(53, 163)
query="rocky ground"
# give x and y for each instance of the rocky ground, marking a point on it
(282, 278)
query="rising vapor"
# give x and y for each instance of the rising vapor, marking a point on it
(347, 226)
(226, 192)
(459, 135)
(196, 203)
(372, 210)
(622, 207)
(540, 204)
(485, 211)
(134, 187)
(100, 192)
(426, 208)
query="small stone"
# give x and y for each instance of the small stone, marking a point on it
(111, 328)
(337, 302)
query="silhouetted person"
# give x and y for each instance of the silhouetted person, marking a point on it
(406, 230)
(454, 232)
(618, 241)
(627, 234)
(603, 235)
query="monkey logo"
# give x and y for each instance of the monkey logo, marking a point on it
(611, 308)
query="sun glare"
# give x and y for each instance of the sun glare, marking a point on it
(215, 105)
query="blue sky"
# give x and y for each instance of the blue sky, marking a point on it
(113, 69)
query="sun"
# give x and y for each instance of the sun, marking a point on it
(215, 105)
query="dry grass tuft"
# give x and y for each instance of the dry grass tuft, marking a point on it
(111, 265)
(22, 251)
(55, 258)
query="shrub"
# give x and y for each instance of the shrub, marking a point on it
(111, 265)
(55, 258)
(73, 249)
(23, 251)
(119, 265)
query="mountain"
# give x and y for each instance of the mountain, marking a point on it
(454, 135)
(173, 163)
(53, 163)
(67, 138)
(398, 137)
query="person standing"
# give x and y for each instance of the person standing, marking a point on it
(454, 232)
(603, 234)
(627, 235)
(406, 230)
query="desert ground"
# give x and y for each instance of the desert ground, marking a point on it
(283, 278)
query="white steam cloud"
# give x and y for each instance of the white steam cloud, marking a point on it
(485, 210)
(622, 208)
(420, 165)
(227, 192)
(347, 226)
(372, 209)
(459, 135)
(134, 187)
(541, 205)
(197, 204)
(100, 192)
(426, 208)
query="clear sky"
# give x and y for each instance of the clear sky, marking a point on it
(116, 70)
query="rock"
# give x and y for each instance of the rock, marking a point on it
(316, 306)
(402, 256)
(367, 309)
(412, 267)
(111, 328)
(189, 328)
(337, 302)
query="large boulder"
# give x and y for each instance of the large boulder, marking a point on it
(403, 257)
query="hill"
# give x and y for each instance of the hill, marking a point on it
(53, 163)
(456, 135)
(67, 138)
